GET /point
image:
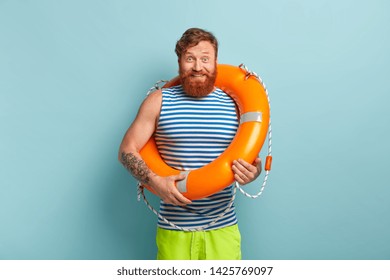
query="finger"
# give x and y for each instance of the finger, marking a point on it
(248, 171)
(245, 166)
(173, 201)
(179, 200)
(179, 177)
(239, 179)
(182, 199)
(239, 171)
(178, 195)
(257, 166)
(257, 163)
(173, 196)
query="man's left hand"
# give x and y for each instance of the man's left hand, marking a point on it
(245, 172)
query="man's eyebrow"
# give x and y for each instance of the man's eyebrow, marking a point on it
(190, 53)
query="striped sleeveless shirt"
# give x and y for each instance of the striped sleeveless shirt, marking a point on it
(192, 132)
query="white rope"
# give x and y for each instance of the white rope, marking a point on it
(254, 74)
(156, 86)
(216, 219)
(254, 195)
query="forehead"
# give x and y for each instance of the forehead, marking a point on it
(202, 48)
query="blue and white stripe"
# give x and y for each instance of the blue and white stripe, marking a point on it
(191, 133)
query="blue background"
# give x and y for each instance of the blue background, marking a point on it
(73, 74)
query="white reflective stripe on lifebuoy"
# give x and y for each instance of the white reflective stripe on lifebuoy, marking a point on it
(251, 117)
(182, 185)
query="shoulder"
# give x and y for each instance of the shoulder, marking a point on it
(152, 103)
(153, 99)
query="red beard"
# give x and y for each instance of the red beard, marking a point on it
(192, 86)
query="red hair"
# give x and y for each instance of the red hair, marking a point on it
(193, 36)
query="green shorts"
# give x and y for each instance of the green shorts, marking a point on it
(218, 244)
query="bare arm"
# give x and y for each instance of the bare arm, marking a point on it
(137, 167)
(135, 138)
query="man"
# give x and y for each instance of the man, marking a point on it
(192, 124)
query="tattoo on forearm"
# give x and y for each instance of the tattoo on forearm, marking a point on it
(136, 166)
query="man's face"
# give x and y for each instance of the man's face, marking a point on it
(198, 69)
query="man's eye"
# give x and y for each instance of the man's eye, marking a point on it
(190, 58)
(205, 59)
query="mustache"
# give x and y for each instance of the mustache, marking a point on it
(192, 72)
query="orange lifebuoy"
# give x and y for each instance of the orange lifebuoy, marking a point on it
(252, 101)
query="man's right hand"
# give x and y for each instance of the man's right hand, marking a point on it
(165, 188)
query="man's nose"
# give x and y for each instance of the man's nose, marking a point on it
(197, 66)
